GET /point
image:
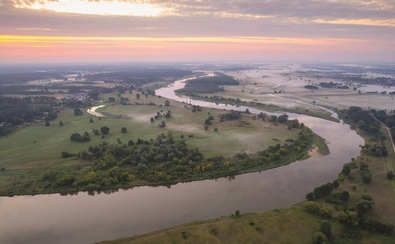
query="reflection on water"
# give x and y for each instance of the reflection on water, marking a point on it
(83, 218)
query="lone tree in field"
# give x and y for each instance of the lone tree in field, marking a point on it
(162, 124)
(77, 111)
(124, 130)
(167, 103)
(104, 130)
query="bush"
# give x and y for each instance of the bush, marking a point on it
(344, 195)
(310, 196)
(317, 208)
(377, 226)
(326, 228)
(390, 175)
(66, 154)
(77, 137)
(319, 238)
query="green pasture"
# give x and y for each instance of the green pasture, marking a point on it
(38, 145)
(288, 225)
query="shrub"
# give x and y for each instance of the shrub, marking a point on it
(319, 238)
(390, 175)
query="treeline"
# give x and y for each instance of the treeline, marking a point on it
(351, 215)
(138, 76)
(333, 85)
(210, 84)
(14, 78)
(387, 118)
(361, 118)
(368, 122)
(15, 111)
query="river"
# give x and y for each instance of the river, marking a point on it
(83, 218)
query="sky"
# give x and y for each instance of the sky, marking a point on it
(64, 31)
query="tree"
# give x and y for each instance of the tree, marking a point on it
(346, 170)
(47, 122)
(319, 238)
(162, 124)
(344, 195)
(310, 196)
(60, 123)
(138, 96)
(283, 118)
(152, 120)
(77, 137)
(124, 130)
(326, 228)
(390, 175)
(77, 112)
(104, 130)
(207, 122)
(167, 103)
(90, 120)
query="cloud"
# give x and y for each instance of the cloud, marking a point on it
(88, 7)
(370, 21)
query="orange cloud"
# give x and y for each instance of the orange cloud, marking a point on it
(69, 49)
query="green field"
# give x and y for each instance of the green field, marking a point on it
(38, 145)
(294, 224)
(29, 153)
(288, 225)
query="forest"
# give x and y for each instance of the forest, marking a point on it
(15, 111)
(209, 84)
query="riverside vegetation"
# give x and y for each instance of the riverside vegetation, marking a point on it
(353, 208)
(357, 207)
(99, 159)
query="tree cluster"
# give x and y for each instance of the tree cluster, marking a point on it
(80, 138)
(362, 118)
(15, 111)
(210, 84)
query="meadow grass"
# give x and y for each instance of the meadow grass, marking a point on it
(287, 225)
(38, 145)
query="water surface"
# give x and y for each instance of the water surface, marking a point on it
(85, 219)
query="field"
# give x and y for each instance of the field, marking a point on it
(34, 151)
(275, 226)
(294, 223)
(284, 86)
(284, 225)
(38, 145)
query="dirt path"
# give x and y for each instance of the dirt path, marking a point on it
(389, 133)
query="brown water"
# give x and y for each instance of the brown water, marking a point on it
(85, 219)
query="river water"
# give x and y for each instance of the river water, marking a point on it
(83, 218)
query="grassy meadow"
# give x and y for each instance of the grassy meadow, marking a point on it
(31, 151)
(294, 224)
(40, 145)
(275, 226)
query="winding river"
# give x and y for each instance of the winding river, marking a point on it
(83, 218)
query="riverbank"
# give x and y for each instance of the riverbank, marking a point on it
(276, 226)
(115, 166)
(298, 220)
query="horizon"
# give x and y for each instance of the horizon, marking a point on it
(152, 31)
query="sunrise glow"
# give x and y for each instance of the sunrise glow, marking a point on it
(100, 7)
(134, 30)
